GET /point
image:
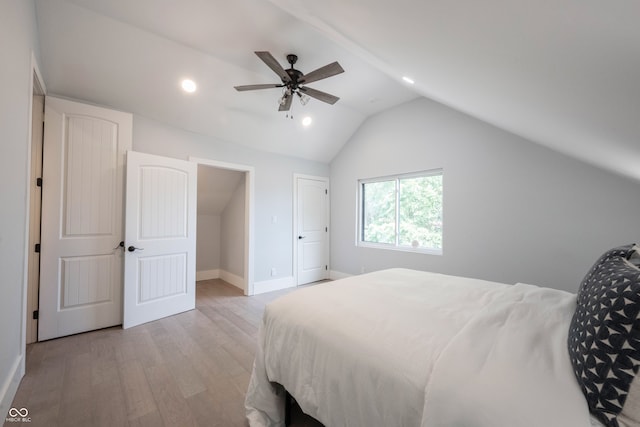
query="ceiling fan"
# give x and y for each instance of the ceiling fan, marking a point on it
(294, 82)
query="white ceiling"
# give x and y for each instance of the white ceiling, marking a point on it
(562, 73)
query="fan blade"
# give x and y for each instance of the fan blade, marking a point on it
(272, 63)
(256, 87)
(287, 103)
(318, 94)
(322, 73)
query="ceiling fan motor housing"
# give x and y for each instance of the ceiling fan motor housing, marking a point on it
(295, 76)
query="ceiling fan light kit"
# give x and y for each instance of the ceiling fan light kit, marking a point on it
(294, 81)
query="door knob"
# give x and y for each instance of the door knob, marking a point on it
(133, 248)
(301, 237)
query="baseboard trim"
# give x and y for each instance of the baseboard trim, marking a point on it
(262, 286)
(218, 273)
(336, 275)
(11, 383)
(207, 274)
(273, 285)
(231, 278)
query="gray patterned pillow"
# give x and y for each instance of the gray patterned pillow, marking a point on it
(604, 338)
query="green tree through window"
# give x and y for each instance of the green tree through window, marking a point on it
(404, 211)
(379, 212)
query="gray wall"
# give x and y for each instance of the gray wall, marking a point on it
(232, 233)
(208, 242)
(513, 211)
(273, 185)
(17, 41)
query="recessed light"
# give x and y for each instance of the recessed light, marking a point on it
(306, 121)
(188, 85)
(408, 80)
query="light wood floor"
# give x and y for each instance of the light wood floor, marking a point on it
(191, 369)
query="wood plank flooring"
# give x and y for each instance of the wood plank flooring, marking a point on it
(191, 369)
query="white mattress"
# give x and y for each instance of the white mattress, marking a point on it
(407, 348)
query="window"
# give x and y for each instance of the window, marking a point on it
(402, 212)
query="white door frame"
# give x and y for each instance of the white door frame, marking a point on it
(296, 176)
(32, 284)
(18, 370)
(248, 214)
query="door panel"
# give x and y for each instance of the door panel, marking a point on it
(86, 280)
(163, 196)
(160, 237)
(91, 159)
(312, 222)
(82, 217)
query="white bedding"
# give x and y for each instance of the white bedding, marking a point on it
(407, 348)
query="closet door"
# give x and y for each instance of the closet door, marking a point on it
(81, 277)
(312, 241)
(160, 239)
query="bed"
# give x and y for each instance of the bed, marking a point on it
(401, 347)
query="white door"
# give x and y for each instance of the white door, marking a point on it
(82, 209)
(312, 229)
(160, 238)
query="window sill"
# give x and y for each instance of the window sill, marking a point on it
(426, 251)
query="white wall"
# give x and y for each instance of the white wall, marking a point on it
(208, 243)
(17, 41)
(273, 185)
(513, 210)
(232, 235)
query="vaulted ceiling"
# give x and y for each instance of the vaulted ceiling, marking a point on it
(561, 73)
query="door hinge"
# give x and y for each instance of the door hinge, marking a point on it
(38, 182)
(36, 314)
(326, 191)
(37, 248)
(326, 267)
(326, 229)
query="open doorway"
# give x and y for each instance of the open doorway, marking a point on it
(224, 228)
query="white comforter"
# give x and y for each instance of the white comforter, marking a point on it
(408, 348)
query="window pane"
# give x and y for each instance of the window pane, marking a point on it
(379, 212)
(420, 216)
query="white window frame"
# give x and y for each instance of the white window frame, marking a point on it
(360, 212)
